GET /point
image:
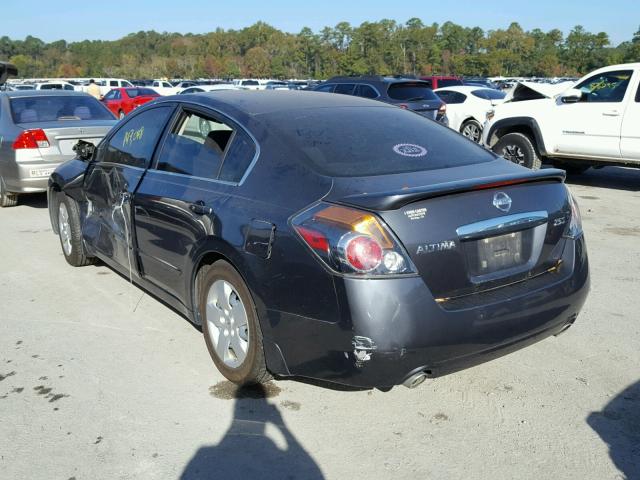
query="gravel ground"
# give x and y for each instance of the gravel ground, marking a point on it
(100, 381)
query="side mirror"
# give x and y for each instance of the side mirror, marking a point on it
(84, 150)
(573, 95)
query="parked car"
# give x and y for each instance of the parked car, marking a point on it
(184, 84)
(441, 81)
(414, 95)
(38, 131)
(208, 88)
(163, 87)
(594, 123)
(467, 108)
(326, 236)
(121, 101)
(250, 84)
(479, 82)
(54, 86)
(107, 84)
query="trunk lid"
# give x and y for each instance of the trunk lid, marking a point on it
(466, 235)
(63, 135)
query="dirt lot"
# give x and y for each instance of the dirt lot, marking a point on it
(101, 381)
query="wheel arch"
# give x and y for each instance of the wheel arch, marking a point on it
(524, 125)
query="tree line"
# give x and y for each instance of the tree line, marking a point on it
(384, 47)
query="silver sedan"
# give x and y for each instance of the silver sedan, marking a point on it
(38, 130)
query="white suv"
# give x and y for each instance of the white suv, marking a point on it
(595, 123)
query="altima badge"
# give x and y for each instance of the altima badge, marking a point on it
(502, 201)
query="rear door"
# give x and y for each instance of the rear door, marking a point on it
(630, 137)
(112, 179)
(203, 158)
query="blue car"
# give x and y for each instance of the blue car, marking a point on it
(326, 236)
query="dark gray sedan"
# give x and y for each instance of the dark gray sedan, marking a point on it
(38, 131)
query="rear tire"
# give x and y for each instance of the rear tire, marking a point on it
(518, 148)
(7, 199)
(472, 130)
(70, 232)
(230, 325)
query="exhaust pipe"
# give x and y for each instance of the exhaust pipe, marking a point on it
(414, 380)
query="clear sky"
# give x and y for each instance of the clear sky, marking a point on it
(79, 20)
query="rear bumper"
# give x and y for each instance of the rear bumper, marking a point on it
(410, 332)
(19, 179)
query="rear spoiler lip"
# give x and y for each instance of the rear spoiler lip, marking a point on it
(392, 200)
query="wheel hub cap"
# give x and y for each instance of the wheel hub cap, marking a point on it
(514, 154)
(64, 228)
(227, 323)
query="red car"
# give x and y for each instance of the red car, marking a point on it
(440, 81)
(122, 100)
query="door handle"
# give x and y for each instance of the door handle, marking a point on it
(611, 113)
(200, 208)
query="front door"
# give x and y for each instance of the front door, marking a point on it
(591, 127)
(111, 181)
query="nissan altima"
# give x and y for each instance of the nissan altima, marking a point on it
(326, 236)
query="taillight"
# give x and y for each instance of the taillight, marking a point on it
(403, 105)
(574, 229)
(352, 241)
(31, 139)
(442, 109)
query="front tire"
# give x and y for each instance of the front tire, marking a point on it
(230, 325)
(472, 130)
(70, 233)
(7, 199)
(518, 148)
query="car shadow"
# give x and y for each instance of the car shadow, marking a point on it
(33, 200)
(257, 445)
(619, 178)
(618, 425)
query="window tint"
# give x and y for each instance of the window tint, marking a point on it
(51, 86)
(134, 142)
(111, 95)
(238, 158)
(409, 91)
(113, 83)
(250, 82)
(366, 91)
(370, 140)
(488, 94)
(195, 147)
(325, 88)
(345, 88)
(126, 84)
(138, 92)
(69, 87)
(449, 82)
(605, 87)
(451, 97)
(51, 108)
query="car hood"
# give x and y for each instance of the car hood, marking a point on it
(535, 91)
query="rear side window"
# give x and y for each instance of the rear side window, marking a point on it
(410, 91)
(365, 141)
(113, 83)
(138, 92)
(237, 160)
(345, 88)
(51, 86)
(488, 94)
(195, 147)
(51, 108)
(366, 91)
(134, 142)
(451, 97)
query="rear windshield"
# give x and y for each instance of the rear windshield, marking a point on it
(138, 92)
(250, 82)
(366, 141)
(449, 82)
(51, 108)
(411, 91)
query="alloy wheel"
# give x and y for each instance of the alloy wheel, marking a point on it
(472, 132)
(514, 154)
(227, 323)
(64, 228)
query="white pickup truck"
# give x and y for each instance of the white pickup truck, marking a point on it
(594, 123)
(163, 87)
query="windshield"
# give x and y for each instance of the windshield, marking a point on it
(411, 91)
(365, 141)
(51, 108)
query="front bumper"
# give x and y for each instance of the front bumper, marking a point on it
(411, 332)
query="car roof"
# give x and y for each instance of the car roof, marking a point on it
(462, 88)
(44, 93)
(372, 78)
(259, 102)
